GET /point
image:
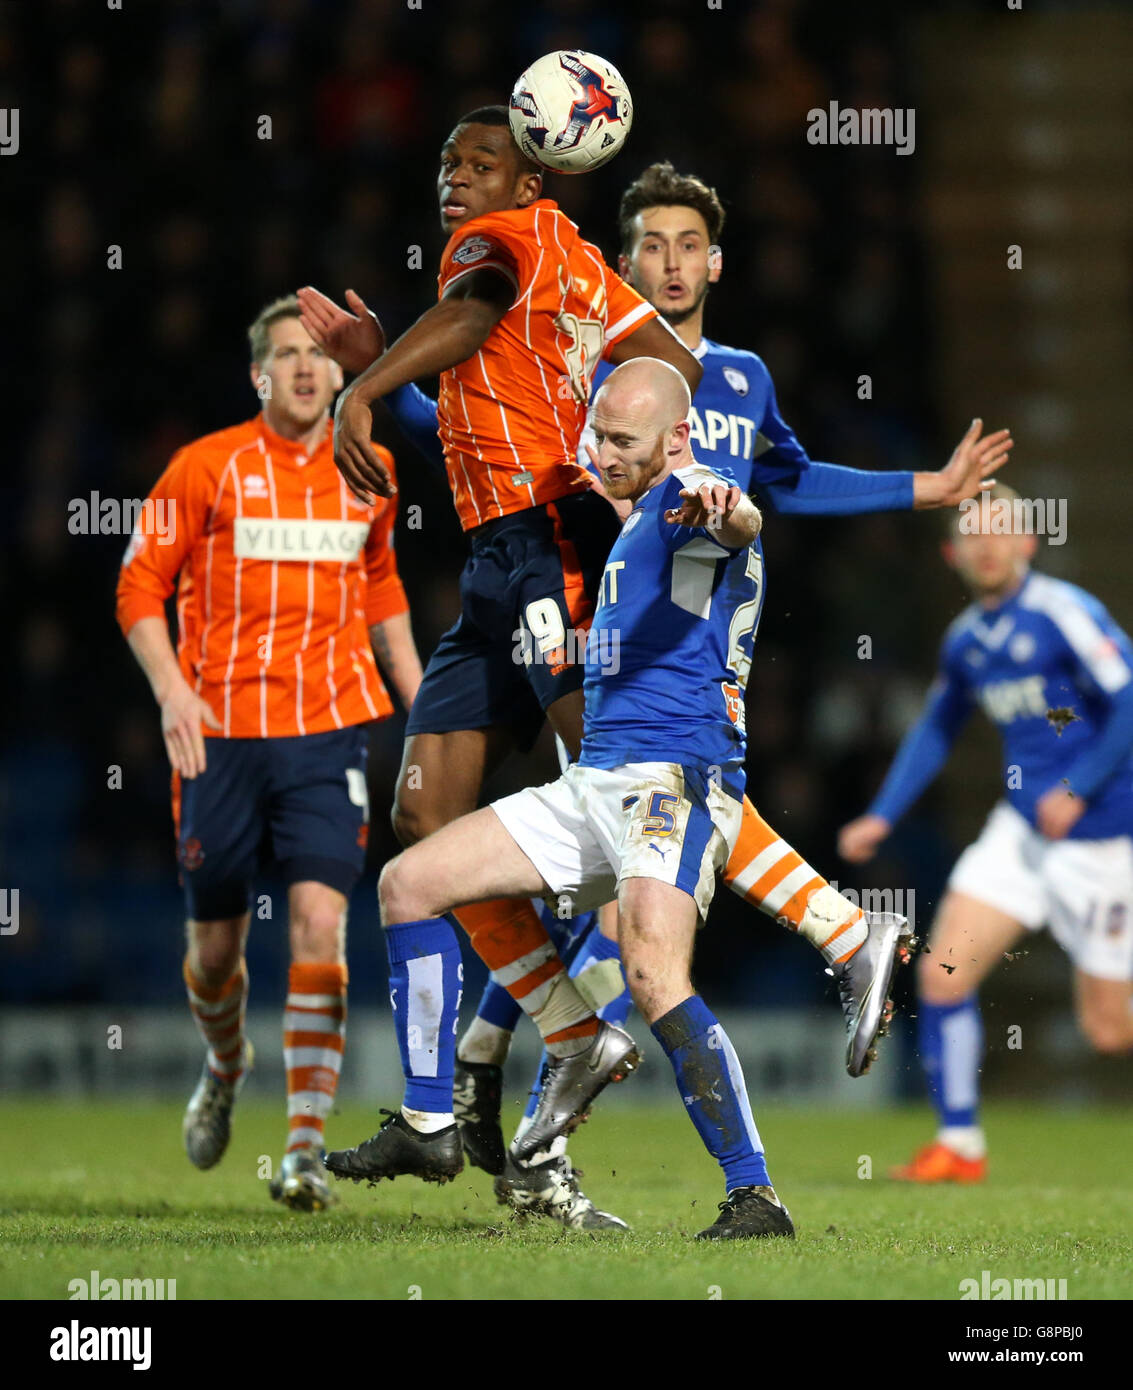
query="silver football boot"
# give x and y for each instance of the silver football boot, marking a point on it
(207, 1125)
(864, 982)
(551, 1189)
(570, 1084)
(301, 1182)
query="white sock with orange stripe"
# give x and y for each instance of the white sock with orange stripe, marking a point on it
(512, 942)
(314, 1034)
(766, 872)
(218, 1011)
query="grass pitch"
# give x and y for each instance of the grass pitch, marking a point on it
(107, 1187)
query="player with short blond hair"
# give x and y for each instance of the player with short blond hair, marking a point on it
(286, 586)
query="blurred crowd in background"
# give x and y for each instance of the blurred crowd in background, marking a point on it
(142, 131)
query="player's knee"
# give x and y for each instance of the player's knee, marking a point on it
(214, 956)
(399, 893)
(316, 933)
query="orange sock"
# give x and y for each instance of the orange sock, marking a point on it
(509, 938)
(314, 1035)
(769, 874)
(218, 1011)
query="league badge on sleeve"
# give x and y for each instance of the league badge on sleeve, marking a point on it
(472, 250)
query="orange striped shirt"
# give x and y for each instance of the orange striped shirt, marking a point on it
(511, 416)
(282, 573)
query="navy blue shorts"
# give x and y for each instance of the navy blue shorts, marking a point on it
(527, 594)
(299, 801)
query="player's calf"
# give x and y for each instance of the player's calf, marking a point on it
(1105, 1012)
(658, 923)
(1109, 1036)
(711, 1084)
(218, 1010)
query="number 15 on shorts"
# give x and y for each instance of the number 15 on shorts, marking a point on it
(659, 819)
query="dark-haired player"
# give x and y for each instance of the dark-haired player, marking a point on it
(670, 225)
(526, 308)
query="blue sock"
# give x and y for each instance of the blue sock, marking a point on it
(497, 1007)
(425, 985)
(711, 1084)
(950, 1042)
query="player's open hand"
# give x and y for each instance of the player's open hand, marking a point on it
(354, 339)
(1057, 812)
(970, 470)
(710, 505)
(182, 714)
(858, 841)
(354, 455)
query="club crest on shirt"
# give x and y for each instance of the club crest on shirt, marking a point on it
(472, 250)
(736, 380)
(630, 522)
(1021, 647)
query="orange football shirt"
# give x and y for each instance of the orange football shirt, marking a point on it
(511, 416)
(282, 572)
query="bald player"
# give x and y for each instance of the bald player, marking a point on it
(648, 813)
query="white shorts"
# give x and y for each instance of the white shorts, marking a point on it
(1081, 889)
(592, 828)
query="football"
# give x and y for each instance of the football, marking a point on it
(570, 111)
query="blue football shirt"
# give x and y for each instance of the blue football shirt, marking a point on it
(1054, 673)
(669, 651)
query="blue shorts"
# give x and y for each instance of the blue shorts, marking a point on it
(299, 801)
(529, 588)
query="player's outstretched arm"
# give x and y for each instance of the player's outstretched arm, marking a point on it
(656, 339)
(353, 337)
(732, 517)
(970, 470)
(445, 335)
